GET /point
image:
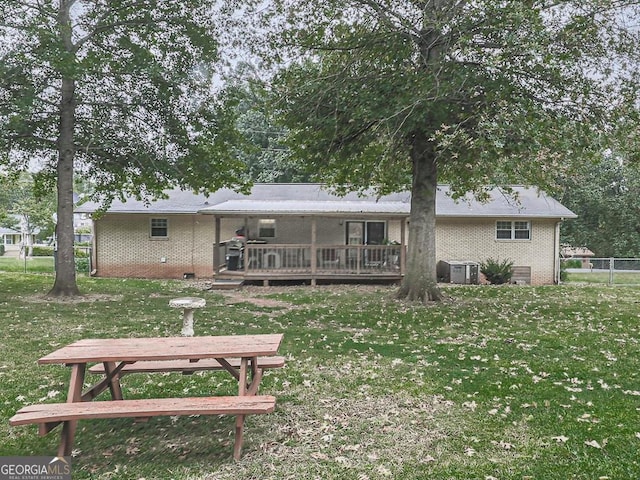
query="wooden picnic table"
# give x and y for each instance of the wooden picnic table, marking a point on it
(117, 353)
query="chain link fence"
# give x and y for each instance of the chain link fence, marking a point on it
(44, 261)
(610, 271)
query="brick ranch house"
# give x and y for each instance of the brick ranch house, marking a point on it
(304, 232)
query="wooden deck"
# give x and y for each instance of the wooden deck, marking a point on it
(265, 262)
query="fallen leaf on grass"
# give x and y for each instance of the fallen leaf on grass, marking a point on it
(382, 470)
(132, 450)
(504, 445)
(560, 439)
(595, 444)
(471, 405)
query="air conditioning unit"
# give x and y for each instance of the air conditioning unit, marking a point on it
(462, 272)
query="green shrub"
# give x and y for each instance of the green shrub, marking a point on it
(568, 263)
(496, 271)
(1, 249)
(82, 264)
(42, 252)
(571, 263)
(564, 275)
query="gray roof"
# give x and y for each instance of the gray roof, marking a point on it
(301, 199)
(8, 231)
(528, 202)
(296, 207)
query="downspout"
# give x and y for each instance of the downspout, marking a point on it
(556, 253)
(94, 252)
(193, 242)
(216, 246)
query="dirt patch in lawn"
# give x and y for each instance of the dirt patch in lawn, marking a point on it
(233, 298)
(89, 298)
(256, 295)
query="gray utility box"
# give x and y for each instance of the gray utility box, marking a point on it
(458, 271)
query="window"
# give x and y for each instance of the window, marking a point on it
(513, 230)
(266, 228)
(521, 231)
(159, 228)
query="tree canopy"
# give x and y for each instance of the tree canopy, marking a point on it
(24, 209)
(605, 196)
(401, 94)
(265, 155)
(123, 92)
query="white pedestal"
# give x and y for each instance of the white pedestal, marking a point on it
(188, 305)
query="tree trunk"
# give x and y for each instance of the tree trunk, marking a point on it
(65, 282)
(420, 282)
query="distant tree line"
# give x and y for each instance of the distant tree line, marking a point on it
(605, 196)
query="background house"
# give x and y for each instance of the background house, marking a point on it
(11, 240)
(580, 253)
(15, 242)
(302, 231)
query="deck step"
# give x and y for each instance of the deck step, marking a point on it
(226, 284)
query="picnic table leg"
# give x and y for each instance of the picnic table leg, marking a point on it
(242, 381)
(237, 446)
(114, 380)
(256, 377)
(75, 395)
(246, 364)
(111, 381)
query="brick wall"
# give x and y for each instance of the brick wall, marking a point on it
(124, 247)
(475, 240)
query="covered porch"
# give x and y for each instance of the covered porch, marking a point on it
(264, 262)
(307, 247)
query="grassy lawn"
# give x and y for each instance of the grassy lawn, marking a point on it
(619, 278)
(31, 265)
(495, 383)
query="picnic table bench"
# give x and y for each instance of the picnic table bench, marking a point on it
(186, 366)
(243, 356)
(50, 415)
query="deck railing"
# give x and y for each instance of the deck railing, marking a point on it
(339, 259)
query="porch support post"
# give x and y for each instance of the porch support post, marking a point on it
(216, 245)
(403, 249)
(314, 255)
(245, 228)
